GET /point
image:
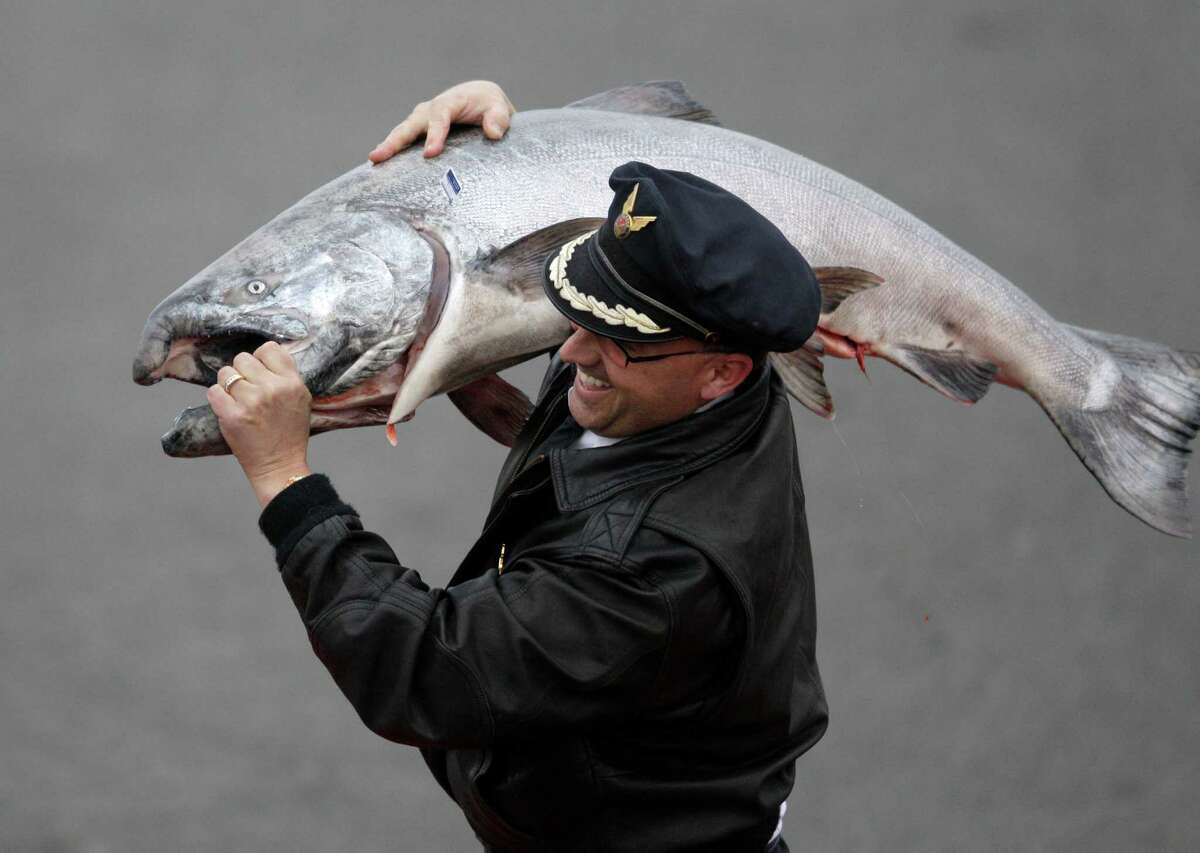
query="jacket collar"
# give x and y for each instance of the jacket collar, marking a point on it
(583, 478)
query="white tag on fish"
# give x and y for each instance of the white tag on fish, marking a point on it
(451, 185)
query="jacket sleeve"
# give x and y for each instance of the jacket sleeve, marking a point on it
(557, 641)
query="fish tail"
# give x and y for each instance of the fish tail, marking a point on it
(1137, 442)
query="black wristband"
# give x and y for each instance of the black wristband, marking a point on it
(297, 509)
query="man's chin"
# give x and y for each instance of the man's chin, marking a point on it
(585, 414)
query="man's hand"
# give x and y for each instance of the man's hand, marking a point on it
(474, 102)
(264, 417)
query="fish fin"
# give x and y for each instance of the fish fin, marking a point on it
(803, 375)
(838, 283)
(372, 362)
(1136, 443)
(521, 262)
(495, 406)
(666, 98)
(952, 372)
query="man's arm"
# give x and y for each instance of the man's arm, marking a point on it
(557, 640)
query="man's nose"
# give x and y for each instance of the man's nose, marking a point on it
(580, 348)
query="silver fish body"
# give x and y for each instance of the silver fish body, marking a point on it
(1129, 408)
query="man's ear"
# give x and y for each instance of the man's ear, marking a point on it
(726, 373)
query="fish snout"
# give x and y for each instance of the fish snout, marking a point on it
(196, 432)
(152, 351)
(147, 362)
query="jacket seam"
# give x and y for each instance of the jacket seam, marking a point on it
(671, 625)
(714, 554)
(349, 606)
(401, 600)
(476, 686)
(356, 561)
(310, 533)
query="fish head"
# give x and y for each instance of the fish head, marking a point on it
(343, 288)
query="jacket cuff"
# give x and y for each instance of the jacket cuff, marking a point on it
(298, 509)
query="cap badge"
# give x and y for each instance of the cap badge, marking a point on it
(626, 221)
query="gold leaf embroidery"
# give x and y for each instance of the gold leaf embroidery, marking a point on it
(618, 316)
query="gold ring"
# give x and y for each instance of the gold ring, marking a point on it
(229, 382)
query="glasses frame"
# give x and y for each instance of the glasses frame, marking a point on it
(643, 359)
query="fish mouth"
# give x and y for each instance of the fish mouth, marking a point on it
(196, 360)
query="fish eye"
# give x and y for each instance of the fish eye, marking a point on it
(256, 287)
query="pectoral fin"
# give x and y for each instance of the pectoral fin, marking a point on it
(952, 372)
(839, 283)
(803, 375)
(495, 406)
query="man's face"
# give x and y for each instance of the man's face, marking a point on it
(614, 399)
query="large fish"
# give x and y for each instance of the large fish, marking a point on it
(417, 277)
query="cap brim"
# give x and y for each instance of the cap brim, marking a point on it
(582, 290)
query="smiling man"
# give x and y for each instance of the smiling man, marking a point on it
(625, 658)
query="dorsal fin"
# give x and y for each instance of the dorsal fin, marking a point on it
(839, 283)
(666, 98)
(519, 265)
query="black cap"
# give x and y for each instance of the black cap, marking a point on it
(681, 257)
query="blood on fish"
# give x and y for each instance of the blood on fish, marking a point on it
(840, 346)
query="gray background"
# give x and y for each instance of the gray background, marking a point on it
(1010, 658)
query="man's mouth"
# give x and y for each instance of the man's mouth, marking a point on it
(589, 381)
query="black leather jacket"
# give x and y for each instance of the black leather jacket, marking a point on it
(625, 659)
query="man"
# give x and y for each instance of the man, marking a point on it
(624, 660)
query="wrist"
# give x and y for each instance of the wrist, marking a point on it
(268, 484)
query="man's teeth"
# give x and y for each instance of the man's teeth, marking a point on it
(589, 381)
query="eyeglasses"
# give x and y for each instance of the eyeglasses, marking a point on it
(630, 358)
(642, 359)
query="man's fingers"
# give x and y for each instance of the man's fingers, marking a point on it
(276, 358)
(496, 121)
(243, 392)
(223, 405)
(440, 116)
(402, 135)
(246, 389)
(251, 368)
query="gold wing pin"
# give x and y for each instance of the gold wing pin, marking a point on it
(627, 222)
